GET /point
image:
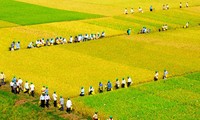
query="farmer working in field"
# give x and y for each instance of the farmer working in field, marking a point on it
(26, 87)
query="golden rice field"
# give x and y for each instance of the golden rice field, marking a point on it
(65, 68)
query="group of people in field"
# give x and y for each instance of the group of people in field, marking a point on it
(45, 100)
(16, 86)
(95, 117)
(156, 76)
(164, 7)
(164, 26)
(108, 86)
(58, 40)
(15, 46)
(62, 40)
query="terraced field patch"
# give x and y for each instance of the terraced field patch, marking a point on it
(177, 98)
(28, 14)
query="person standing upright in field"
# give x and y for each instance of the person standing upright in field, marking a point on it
(125, 11)
(69, 105)
(100, 87)
(26, 87)
(129, 31)
(123, 83)
(32, 89)
(117, 84)
(109, 86)
(11, 86)
(187, 5)
(54, 99)
(42, 100)
(132, 11)
(129, 82)
(156, 76)
(47, 99)
(165, 74)
(82, 91)
(2, 78)
(61, 103)
(180, 5)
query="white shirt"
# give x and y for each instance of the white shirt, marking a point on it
(124, 81)
(42, 97)
(47, 97)
(91, 89)
(129, 80)
(54, 97)
(69, 103)
(32, 87)
(20, 81)
(17, 83)
(11, 84)
(132, 11)
(156, 75)
(26, 86)
(71, 39)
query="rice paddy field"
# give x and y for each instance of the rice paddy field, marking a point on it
(65, 68)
